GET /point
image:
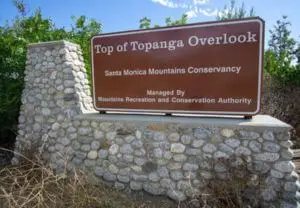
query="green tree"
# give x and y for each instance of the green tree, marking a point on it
(181, 21)
(234, 12)
(280, 41)
(13, 42)
(81, 34)
(281, 53)
(14, 38)
(297, 54)
(145, 23)
(20, 6)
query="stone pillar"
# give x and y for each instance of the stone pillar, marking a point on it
(56, 89)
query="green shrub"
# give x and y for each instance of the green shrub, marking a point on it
(280, 69)
(281, 54)
(14, 39)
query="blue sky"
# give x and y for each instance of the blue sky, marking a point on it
(120, 15)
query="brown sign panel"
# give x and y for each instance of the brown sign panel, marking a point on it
(212, 68)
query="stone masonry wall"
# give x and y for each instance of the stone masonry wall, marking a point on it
(177, 157)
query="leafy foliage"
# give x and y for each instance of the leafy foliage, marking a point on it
(145, 23)
(19, 4)
(281, 53)
(13, 43)
(234, 12)
(280, 38)
(183, 20)
(81, 33)
(297, 54)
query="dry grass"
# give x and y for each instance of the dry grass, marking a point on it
(34, 185)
